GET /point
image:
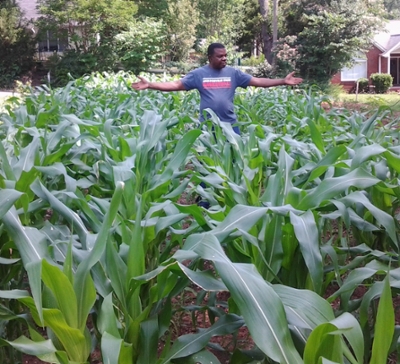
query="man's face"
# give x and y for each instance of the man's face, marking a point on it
(218, 59)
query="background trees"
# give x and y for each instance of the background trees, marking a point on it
(315, 37)
(328, 34)
(17, 46)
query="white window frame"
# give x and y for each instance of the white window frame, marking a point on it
(357, 71)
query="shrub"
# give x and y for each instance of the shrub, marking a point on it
(382, 82)
(253, 61)
(363, 85)
(262, 70)
(74, 64)
(17, 46)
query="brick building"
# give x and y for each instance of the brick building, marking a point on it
(383, 57)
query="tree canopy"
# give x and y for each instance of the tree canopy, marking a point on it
(17, 45)
(328, 34)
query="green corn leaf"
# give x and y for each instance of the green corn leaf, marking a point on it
(304, 309)
(116, 271)
(240, 217)
(115, 350)
(32, 247)
(30, 347)
(331, 187)
(71, 216)
(73, 340)
(328, 160)
(260, 306)
(149, 341)
(202, 357)
(107, 321)
(382, 217)
(204, 279)
(179, 156)
(189, 344)
(323, 343)
(27, 158)
(306, 232)
(352, 331)
(5, 165)
(63, 292)
(7, 199)
(384, 326)
(365, 153)
(83, 285)
(316, 135)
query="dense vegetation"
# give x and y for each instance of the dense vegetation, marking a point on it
(316, 38)
(101, 237)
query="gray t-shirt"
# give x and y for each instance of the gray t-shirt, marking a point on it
(217, 89)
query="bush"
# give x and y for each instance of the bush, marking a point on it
(363, 85)
(75, 64)
(382, 82)
(17, 47)
(253, 61)
(262, 70)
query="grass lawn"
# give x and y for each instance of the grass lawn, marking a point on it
(391, 100)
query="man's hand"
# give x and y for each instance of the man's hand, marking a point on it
(291, 80)
(143, 84)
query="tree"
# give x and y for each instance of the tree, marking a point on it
(221, 19)
(142, 45)
(265, 30)
(182, 19)
(88, 22)
(152, 9)
(17, 45)
(329, 34)
(392, 9)
(250, 38)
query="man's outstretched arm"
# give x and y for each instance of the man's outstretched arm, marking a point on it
(143, 84)
(289, 80)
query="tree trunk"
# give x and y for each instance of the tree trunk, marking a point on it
(274, 28)
(266, 37)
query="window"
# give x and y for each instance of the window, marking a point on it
(53, 42)
(359, 70)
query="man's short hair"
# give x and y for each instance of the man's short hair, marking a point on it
(212, 46)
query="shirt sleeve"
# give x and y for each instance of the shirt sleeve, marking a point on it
(189, 81)
(242, 79)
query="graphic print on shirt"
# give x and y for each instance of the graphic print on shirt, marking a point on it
(218, 82)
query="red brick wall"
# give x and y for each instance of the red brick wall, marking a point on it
(372, 67)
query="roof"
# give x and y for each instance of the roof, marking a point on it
(28, 8)
(389, 39)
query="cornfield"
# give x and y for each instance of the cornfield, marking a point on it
(101, 234)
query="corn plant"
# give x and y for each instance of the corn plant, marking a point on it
(98, 184)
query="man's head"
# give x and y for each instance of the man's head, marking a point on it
(216, 53)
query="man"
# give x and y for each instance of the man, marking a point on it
(216, 83)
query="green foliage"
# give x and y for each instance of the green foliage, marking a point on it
(182, 20)
(221, 20)
(17, 45)
(253, 61)
(74, 64)
(382, 82)
(87, 22)
(91, 27)
(392, 9)
(328, 35)
(363, 85)
(142, 45)
(97, 200)
(286, 55)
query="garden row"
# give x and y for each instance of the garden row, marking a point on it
(99, 235)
